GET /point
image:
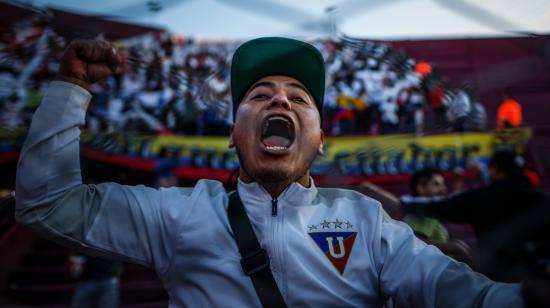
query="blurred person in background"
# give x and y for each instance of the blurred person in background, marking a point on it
(507, 215)
(458, 107)
(427, 182)
(389, 109)
(411, 101)
(98, 281)
(166, 162)
(436, 90)
(476, 120)
(509, 113)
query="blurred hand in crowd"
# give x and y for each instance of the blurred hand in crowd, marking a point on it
(458, 180)
(88, 61)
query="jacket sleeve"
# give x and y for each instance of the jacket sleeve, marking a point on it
(133, 223)
(459, 207)
(413, 274)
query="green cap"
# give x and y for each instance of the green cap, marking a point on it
(270, 56)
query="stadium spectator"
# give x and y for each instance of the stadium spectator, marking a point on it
(476, 120)
(10, 116)
(458, 106)
(509, 113)
(98, 279)
(412, 103)
(424, 183)
(427, 183)
(423, 68)
(389, 110)
(436, 98)
(165, 165)
(506, 215)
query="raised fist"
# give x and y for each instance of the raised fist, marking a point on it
(87, 61)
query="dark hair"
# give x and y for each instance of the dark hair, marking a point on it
(508, 162)
(420, 177)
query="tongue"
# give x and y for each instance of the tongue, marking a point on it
(276, 141)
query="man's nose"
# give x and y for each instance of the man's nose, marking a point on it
(280, 100)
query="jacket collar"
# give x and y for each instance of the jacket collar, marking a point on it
(293, 195)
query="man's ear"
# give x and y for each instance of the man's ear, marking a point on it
(231, 142)
(320, 150)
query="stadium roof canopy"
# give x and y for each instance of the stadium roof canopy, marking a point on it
(374, 19)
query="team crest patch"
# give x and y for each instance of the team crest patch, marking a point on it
(336, 245)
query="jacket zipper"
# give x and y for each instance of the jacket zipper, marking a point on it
(276, 240)
(274, 207)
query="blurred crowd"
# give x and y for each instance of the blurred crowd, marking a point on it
(174, 85)
(27, 62)
(372, 89)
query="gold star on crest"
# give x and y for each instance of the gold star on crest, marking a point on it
(326, 224)
(312, 227)
(338, 224)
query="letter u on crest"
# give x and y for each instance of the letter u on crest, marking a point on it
(340, 240)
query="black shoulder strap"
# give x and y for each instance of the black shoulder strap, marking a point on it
(254, 259)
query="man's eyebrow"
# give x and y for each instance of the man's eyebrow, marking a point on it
(268, 84)
(299, 86)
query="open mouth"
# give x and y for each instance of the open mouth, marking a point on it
(277, 133)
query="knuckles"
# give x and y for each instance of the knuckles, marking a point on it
(91, 50)
(75, 63)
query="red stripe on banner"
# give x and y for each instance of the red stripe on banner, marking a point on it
(189, 173)
(121, 160)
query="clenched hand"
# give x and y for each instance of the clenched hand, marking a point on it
(88, 61)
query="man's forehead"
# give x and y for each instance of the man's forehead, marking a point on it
(278, 79)
(274, 81)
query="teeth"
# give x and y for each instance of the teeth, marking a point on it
(276, 148)
(278, 118)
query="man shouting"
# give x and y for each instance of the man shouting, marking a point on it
(326, 247)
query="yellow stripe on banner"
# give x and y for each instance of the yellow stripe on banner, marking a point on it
(220, 144)
(481, 144)
(386, 148)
